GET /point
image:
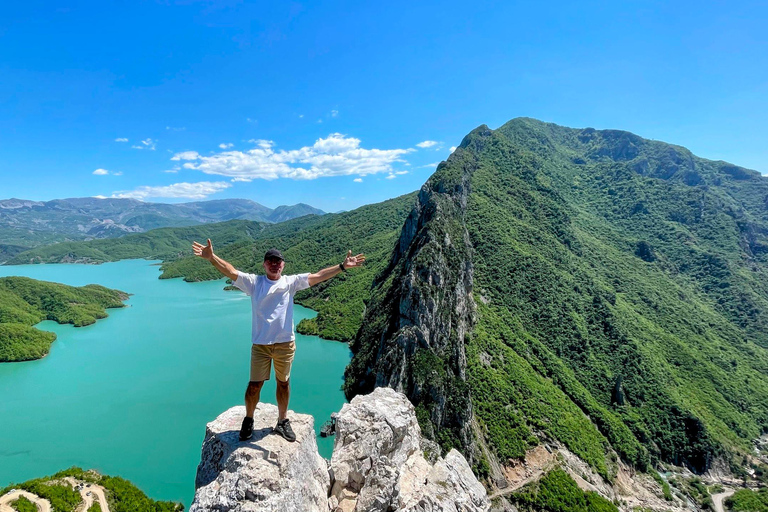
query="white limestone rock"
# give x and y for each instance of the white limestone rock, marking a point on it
(377, 464)
(266, 473)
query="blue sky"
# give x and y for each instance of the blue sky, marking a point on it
(313, 96)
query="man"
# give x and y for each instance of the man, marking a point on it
(272, 335)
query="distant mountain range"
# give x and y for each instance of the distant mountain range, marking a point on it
(26, 224)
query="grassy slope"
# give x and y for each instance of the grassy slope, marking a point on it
(24, 302)
(560, 259)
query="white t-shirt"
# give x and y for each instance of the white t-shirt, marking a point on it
(271, 305)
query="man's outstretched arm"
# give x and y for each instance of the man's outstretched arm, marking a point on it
(327, 273)
(206, 251)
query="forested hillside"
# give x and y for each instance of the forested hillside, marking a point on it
(25, 302)
(309, 243)
(28, 224)
(587, 286)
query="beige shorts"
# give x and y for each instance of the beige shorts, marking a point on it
(263, 355)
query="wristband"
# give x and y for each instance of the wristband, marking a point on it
(341, 266)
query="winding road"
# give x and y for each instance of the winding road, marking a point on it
(87, 492)
(718, 499)
(10, 497)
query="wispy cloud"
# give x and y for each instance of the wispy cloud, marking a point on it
(432, 165)
(186, 155)
(400, 173)
(301, 116)
(101, 172)
(427, 144)
(175, 129)
(199, 190)
(334, 113)
(146, 144)
(251, 120)
(121, 139)
(262, 143)
(358, 180)
(453, 148)
(335, 155)
(226, 145)
(391, 177)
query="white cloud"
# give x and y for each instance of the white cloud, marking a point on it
(401, 172)
(391, 177)
(121, 139)
(186, 155)
(226, 145)
(453, 148)
(334, 113)
(174, 129)
(358, 180)
(301, 116)
(335, 155)
(146, 144)
(171, 171)
(118, 173)
(262, 143)
(254, 121)
(432, 165)
(101, 172)
(198, 190)
(427, 144)
(319, 121)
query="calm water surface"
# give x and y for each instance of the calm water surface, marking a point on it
(131, 394)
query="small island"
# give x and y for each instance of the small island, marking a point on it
(25, 302)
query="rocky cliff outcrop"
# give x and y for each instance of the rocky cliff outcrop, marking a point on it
(413, 335)
(377, 464)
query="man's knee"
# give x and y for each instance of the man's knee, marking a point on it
(284, 383)
(254, 386)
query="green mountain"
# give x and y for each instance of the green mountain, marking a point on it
(25, 302)
(588, 286)
(31, 224)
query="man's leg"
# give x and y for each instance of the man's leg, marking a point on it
(252, 394)
(283, 394)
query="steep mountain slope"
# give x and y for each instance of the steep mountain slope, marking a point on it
(34, 223)
(589, 286)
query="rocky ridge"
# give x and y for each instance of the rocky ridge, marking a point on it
(378, 464)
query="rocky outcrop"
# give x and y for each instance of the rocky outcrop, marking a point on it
(377, 465)
(266, 473)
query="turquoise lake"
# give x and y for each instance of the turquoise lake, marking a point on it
(131, 394)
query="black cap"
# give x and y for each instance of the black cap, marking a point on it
(273, 253)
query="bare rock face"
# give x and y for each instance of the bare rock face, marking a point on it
(377, 463)
(265, 473)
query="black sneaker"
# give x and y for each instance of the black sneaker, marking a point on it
(283, 428)
(246, 431)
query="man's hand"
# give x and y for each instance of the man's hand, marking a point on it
(354, 261)
(205, 251)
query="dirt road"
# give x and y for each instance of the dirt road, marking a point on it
(718, 499)
(8, 498)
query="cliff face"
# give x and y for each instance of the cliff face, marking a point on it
(377, 465)
(413, 334)
(591, 287)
